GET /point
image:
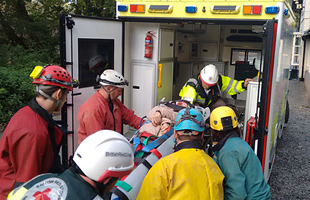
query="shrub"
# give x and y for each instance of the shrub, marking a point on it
(16, 90)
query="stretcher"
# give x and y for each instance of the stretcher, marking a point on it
(128, 188)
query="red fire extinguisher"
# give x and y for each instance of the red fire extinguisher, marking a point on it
(148, 45)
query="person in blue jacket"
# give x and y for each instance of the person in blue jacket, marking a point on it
(241, 167)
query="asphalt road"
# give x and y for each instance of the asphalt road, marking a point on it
(290, 178)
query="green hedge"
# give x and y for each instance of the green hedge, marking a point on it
(16, 90)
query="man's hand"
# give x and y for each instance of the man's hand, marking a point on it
(165, 128)
(246, 81)
(156, 119)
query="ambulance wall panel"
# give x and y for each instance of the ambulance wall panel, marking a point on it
(142, 88)
(138, 69)
(183, 73)
(164, 90)
(166, 44)
(137, 39)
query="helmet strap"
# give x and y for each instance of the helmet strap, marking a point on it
(110, 103)
(58, 102)
(40, 91)
(108, 92)
(187, 132)
(102, 187)
(188, 116)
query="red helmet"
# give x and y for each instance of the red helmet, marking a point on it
(53, 75)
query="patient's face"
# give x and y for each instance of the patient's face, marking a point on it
(182, 103)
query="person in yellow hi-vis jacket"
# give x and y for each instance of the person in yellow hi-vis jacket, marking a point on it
(205, 88)
(188, 173)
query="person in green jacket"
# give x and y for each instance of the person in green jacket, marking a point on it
(99, 161)
(188, 173)
(242, 169)
(205, 88)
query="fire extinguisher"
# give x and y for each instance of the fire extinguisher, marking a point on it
(148, 44)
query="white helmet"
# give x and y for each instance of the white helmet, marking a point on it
(103, 154)
(112, 77)
(209, 75)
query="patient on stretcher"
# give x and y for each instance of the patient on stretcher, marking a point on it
(161, 118)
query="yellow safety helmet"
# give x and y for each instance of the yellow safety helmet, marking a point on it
(223, 118)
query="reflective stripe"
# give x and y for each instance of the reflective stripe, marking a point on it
(229, 85)
(220, 91)
(235, 88)
(200, 100)
(98, 198)
(188, 93)
(193, 81)
(123, 185)
(188, 99)
(17, 194)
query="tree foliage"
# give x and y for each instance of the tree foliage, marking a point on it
(103, 8)
(29, 36)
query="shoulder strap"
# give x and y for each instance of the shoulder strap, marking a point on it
(175, 107)
(35, 107)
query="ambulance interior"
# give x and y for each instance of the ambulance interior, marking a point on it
(232, 49)
(179, 51)
(185, 48)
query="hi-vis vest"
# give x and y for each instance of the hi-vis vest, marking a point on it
(194, 92)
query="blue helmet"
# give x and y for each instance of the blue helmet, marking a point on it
(189, 119)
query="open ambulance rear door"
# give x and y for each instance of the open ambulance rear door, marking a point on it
(274, 88)
(88, 46)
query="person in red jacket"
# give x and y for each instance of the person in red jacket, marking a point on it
(104, 110)
(31, 141)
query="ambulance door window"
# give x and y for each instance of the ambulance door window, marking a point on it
(95, 56)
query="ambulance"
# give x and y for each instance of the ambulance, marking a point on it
(158, 45)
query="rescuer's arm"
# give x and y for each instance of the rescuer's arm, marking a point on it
(232, 86)
(188, 92)
(29, 151)
(155, 184)
(234, 183)
(156, 114)
(128, 116)
(246, 82)
(89, 122)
